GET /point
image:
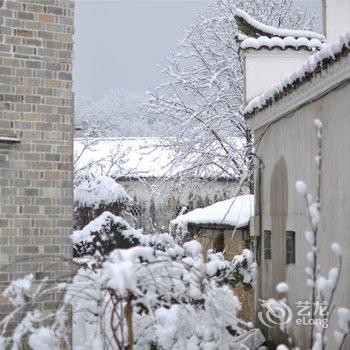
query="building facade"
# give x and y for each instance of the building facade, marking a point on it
(36, 139)
(282, 118)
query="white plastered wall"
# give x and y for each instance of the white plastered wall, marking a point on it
(336, 18)
(264, 68)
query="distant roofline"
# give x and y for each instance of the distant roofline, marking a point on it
(203, 179)
(111, 138)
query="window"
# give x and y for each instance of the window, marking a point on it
(267, 245)
(135, 210)
(183, 209)
(290, 247)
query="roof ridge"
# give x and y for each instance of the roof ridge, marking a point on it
(252, 27)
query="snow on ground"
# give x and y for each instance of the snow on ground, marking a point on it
(234, 212)
(276, 31)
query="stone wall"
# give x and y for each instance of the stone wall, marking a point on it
(36, 113)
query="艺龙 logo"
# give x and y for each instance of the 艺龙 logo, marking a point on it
(274, 313)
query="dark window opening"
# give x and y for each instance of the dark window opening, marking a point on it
(290, 247)
(135, 210)
(267, 245)
(182, 209)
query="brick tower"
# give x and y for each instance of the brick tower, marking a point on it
(36, 138)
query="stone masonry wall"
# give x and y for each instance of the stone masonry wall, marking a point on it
(36, 107)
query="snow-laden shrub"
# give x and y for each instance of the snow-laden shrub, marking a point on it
(103, 234)
(162, 294)
(95, 195)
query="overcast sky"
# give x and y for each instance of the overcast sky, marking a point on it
(118, 43)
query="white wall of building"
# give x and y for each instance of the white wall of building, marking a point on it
(336, 18)
(264, 68)
(287, 150)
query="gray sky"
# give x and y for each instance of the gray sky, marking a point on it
(118, 43)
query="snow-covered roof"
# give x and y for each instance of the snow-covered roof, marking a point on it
(254, 28)
(133, 157)
(123, 157)
(235, 212)
(258, 35)
(288, 42)
(317, 62)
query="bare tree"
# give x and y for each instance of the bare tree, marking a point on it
(204, 93)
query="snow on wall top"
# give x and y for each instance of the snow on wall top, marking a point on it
(321, 60)
(234, 212)
(251, 26)
(281, 43)
(9, 139)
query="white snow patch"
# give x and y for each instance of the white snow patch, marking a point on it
(336, 248)
(301, 188)
(310, 237)
(43, 338)
(9, 139)
(318, 123)
(282, 287)
(282, 347)
(326, 285)
(18, 290)
(344, 319)
(193, 248)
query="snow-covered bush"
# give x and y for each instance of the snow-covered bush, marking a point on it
(161, 293)
(130, 289)
(102, 235)
(95, 195)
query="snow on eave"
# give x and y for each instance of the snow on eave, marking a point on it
(234, 212)
(261, 42)
(251, 26)
(9, 139)
(322, 60)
